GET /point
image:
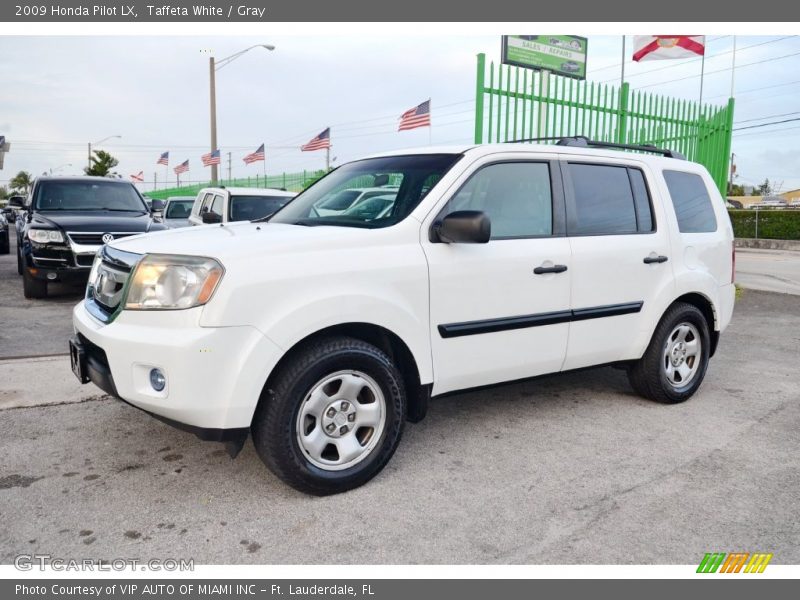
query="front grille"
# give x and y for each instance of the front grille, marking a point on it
(95, 238)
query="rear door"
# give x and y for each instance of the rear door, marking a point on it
(499, 311)
(620, 257)
(201, 202)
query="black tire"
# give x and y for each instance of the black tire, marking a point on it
(5, 246)
(19, 261)
(275, 423)
(648, 376)
(33, 289)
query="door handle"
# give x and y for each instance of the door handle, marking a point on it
(648, 260)
(553, 269)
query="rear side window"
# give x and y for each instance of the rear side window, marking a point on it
(691, 201)
(608, 200)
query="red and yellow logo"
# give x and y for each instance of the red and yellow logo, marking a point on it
(734, 562)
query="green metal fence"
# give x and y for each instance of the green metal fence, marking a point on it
(294, 182)
(514, 103)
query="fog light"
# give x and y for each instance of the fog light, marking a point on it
(51, 276)
(158, 380)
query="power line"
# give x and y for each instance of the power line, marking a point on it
(693, 60)
(758, 62)
(767, 117)
(766, 124)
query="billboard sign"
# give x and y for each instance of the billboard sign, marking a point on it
(561, 54)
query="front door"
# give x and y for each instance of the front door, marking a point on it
(500, 310)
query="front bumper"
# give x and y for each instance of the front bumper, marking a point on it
(215, 375)
(57, 265)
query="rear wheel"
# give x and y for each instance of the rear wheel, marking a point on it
(19, 261)
(33, 288)
(332, 417)
(675, 362)
(5, 246)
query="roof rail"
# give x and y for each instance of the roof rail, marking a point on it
(581, 141)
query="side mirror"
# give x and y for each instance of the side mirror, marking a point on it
(464, 227)
(157, 205)
(210, 217)
(16, 202)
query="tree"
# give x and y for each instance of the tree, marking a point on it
(737, 190)
(765, 189)
(22, 182)
(3, 192)
(102, 163)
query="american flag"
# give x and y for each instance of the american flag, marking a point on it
(138, 177)
(163, 159)
(323, 140)
(182, 168)
(419, 116)
(255, 156)
(212, 158)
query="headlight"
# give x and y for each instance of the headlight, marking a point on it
(166, 282)
(45, 236)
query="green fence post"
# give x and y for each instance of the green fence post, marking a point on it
(622, 112)
(728, 143)
(284, 179)
(479, 99)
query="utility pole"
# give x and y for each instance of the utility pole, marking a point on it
(622, 74)
(328, 158)
(213, 104)
(89, 157)
(230, 167)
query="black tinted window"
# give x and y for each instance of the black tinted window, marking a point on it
(641, 199)
(87, 194)
(515, 196)
(603, 200)
(249, 208)
(691, 201)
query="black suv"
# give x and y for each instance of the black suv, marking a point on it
(68, 219)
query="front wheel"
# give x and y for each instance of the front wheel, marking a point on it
(332, 417)
(675, 362)
(5, 246)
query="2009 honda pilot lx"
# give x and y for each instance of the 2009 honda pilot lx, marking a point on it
(322, 334)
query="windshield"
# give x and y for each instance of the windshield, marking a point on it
(88, 195)
(250, 208)
(401, 182)
(179, 209)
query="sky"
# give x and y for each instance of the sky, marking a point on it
(59, 93)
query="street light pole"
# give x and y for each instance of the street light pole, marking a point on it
(214, 66)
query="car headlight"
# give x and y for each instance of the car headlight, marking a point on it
(169, 282)
(45, 236)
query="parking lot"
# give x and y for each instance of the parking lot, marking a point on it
(563, 469)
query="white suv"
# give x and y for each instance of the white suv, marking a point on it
(225, 205)
(322, 335)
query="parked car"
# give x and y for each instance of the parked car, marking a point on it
(321, 335)
(177, 211)
(5, 235)
(66, 222)
(224, 205)
(9, 212)
(342, 200)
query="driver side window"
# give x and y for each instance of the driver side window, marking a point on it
(516, 196)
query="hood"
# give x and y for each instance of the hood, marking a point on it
(101, 221)
(246, 240)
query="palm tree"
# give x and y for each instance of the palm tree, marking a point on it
(102, 163)
(22, 182)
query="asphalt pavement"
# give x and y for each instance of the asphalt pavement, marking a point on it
(572, 468)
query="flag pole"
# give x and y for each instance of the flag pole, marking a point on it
(264, 164)
(622, 74)
(430, 124)
(702, 76)
(328, 158)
